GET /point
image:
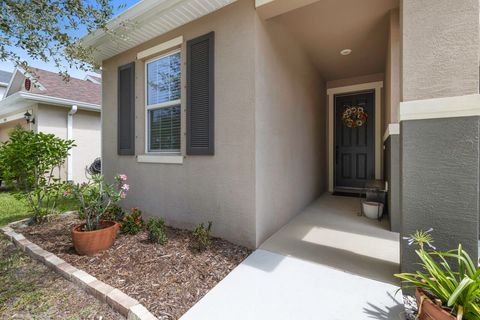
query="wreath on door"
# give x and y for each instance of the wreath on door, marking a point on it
(354, 116)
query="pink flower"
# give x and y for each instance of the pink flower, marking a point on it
(123, 195)
(123, 177)
(125, 187)
(66, 194)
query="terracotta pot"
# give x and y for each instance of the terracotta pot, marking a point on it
(91, 242)
(429, 310)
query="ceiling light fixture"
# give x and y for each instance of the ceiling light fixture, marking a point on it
(345, 52)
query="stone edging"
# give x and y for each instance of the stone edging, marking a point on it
(119, 301)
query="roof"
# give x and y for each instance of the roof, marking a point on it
(53, 85)
(144, 21)
(50, 88)
(5, 76)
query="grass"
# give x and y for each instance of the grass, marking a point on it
(29, 290)
(13, 209)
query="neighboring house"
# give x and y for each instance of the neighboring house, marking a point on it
(231, 111)
(70, 110)
(4, 81)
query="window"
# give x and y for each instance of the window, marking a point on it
(163, 89)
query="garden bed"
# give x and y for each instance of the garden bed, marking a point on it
(168, 280)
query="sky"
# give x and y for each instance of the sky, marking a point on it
(8, 66)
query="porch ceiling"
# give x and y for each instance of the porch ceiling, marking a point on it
(326, 27)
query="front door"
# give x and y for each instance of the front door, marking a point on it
(354, 139)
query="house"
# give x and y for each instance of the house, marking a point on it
(70, 110)
(245, 111)
(4, 80)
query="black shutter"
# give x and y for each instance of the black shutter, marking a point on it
(126, 109)
(200, 95)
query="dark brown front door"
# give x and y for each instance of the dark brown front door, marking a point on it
(354, 139)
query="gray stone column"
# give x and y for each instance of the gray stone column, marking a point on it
(439, 132)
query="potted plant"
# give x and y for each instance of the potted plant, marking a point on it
(96, 198)
(443, 291)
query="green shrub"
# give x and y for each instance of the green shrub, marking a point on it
(156, 230)
(202, 235)
(132, 223)
(29, 163)
(114, 213)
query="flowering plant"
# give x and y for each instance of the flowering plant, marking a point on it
(457, 287)
(96, 197)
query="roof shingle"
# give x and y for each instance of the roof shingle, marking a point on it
(75, 89)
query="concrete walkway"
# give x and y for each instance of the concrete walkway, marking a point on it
(327, 263)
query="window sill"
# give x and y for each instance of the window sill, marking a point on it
(148, 158)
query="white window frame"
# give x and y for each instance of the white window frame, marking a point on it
(172, 103)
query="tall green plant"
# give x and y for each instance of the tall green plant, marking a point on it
(97, 197)
(457, 287)
(29, 161)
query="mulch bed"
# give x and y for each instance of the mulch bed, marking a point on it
(168, 280)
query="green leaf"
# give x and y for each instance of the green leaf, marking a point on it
(462, 286)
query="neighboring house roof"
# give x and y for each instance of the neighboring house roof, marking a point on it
(144, 21)
(55, 86)
(50, 88)
(5, 77)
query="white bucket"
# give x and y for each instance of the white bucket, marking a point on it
(372, 210)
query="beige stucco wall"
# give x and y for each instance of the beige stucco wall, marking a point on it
(290, 114)
(392, 70)
(86, 133)
(87, 136)
(220, 188)
(440, 51)
(5, 128)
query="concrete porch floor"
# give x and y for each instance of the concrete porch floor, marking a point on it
(330, 232)
(327, 263)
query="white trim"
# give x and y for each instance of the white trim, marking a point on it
(70, 114)
(356, 87)
(447, 107)
(14, 73)
(159, 105)
(259, 3)
(92, 79)
(20, 101)
(146, 158)
(164, 104)
(60, 101)
(167, 45)
(392, 128)
(32, 78)
(146, 20)
(377, 86)
(13, 117)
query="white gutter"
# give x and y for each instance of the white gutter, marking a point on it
(11, 118)
(59, 101)
(22, 100)
(70, 114)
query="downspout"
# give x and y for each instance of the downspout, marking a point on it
(70, 114)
